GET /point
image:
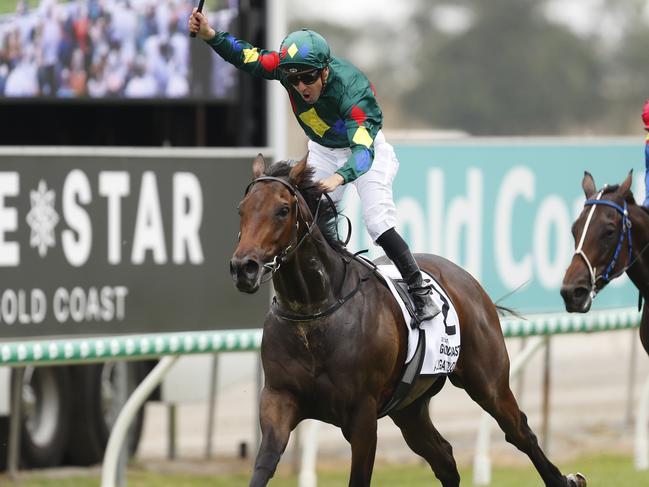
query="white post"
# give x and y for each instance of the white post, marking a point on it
(211, 405)
(277, 99)
(630, 390)
(308, 477)
(482, 460)
(642, 430)
(126, 415)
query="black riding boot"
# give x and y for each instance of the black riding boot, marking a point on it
(398, 252)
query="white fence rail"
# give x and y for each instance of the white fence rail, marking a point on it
(84, 350)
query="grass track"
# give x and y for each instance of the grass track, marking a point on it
(601, 471)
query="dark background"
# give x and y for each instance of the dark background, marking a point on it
(239, 122)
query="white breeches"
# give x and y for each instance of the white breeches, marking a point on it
(374, 187)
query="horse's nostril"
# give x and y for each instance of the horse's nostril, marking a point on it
(251, 267)
(580, 292)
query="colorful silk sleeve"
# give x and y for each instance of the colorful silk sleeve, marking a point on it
(363, 119)
(646, 174)
(257, 62)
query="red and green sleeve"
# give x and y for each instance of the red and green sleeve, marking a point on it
(258, 62)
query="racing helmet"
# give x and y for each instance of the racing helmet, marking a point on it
(302, 50)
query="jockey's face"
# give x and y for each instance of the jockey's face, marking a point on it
(309, 84)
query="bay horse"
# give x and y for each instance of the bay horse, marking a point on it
(335, 341)
(611, 237)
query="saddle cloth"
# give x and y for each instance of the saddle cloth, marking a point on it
(442, 331)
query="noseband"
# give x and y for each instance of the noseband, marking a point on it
(624, 231)
(271, 267)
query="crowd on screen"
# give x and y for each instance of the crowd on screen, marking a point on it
(103, 49)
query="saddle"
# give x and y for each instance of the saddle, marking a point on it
(402, 288)
(413, 368)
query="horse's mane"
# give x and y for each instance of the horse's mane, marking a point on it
(628, 196)
(311, 193)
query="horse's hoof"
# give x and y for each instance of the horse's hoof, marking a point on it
(576, 480)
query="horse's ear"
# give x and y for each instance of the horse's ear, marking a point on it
(297, 171)
(588, 184)
(626, 185)
(258, 166)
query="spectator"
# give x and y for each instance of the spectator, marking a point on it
(109, 35)
(22, 81)
(142, 84)
(49, 49)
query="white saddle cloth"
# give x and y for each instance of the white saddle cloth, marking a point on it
(442, 349)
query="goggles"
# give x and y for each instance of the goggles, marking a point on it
(306, 77)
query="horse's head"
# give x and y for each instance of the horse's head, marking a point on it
(602, 234)
(269, 224)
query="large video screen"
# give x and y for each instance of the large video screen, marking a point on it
(111, 49)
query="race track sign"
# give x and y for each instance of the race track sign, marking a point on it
(503, 209)
(121, 241)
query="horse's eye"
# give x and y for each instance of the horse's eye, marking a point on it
(283, 211)
(610, 232)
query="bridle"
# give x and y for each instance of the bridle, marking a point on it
(271, 267)
(625, 231)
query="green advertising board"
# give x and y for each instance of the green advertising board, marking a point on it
(503, 209)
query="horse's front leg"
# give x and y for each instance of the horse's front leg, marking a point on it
(644, 328)
(360, 431)
(278, 416)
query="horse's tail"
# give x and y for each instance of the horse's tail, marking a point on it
(504, 310)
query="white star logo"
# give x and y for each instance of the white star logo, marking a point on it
(42, 218)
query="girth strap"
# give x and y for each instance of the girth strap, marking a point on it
(410, 374)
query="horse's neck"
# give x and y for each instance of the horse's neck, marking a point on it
(309, 281)
(639, 272)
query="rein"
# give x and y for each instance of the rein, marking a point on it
(625, 231)
(285, 255)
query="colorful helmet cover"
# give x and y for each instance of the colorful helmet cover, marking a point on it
(645, 114)
(304, 49)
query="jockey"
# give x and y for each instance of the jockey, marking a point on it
(645, 119)
(335, 104)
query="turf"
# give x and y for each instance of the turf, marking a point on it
(601, 471)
